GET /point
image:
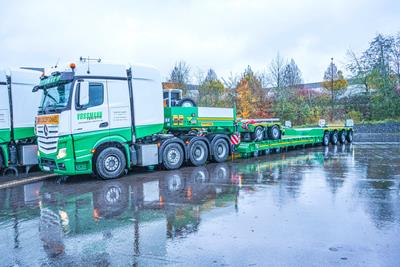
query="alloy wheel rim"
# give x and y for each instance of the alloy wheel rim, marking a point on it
(111, 163)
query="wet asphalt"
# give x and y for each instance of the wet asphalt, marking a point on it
(308, 207)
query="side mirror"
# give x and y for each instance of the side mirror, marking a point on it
(322, 123)
(288, 124)
(83, 94)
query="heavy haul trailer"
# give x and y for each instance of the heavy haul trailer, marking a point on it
(300, 137)
(108, 118)
(18, 107)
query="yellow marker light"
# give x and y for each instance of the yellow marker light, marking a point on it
(62, 153)
(72, 65)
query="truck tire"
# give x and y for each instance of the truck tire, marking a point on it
(258, 134)
(334, 138)
(198, 153)
(349, 136)
(110, 163)
(325, 139)
(274, 133)
(172, 156)
(220, 150)
(342, 137)
(186, 102)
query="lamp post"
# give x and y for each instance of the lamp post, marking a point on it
(332, 106)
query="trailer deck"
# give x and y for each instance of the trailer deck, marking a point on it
(293, 137)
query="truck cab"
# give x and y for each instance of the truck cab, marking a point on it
(86, 109)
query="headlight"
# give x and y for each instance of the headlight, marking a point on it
(62, 153)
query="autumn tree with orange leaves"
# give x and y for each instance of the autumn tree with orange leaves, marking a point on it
(252, 100)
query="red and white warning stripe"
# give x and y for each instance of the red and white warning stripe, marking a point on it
(235, 139)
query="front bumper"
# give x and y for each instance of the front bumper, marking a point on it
(66, 165)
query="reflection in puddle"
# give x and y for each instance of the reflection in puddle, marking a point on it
(139, 218)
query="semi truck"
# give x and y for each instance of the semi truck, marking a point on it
(18, 108)
(104, 119)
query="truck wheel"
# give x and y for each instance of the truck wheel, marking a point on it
(198, 153)
(220, 150)
(110, 163)
(325, 139)
(186, 102)
(172, 156)
(258, 134)
(274, 132)
(334, 138)
(349, 136)
(342, 137)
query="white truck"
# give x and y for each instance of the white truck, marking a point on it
(18, 107)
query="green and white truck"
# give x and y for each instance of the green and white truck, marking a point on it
(104, 119)
(18, 108)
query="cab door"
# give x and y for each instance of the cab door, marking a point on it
(90, 116)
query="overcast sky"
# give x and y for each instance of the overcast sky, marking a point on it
(223, 35)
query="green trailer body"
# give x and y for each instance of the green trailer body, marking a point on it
(187, 118)
(297, 137)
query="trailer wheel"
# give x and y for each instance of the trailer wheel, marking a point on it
(172, 156)
(258, 134)
(334, 138)
(325, 139)
(110, 163)
(220, 150)
(274, 132)
(186, 102)
(342, 137)
(349, 136)
(198, 153)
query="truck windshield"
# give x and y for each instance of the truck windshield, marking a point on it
(55, 99)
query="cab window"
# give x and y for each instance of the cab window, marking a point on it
(96, 96)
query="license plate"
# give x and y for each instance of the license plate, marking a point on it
(46, 168)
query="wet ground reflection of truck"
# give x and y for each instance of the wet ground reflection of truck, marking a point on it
(92, 220)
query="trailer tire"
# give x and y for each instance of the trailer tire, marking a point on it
(325, 139)
(334, 138)
(186, 102)
(172, 156)
(342, 137)
(274, 133)
(258, 134)
(110, 163)
(198, 153)
(220, 150)
(349, 136)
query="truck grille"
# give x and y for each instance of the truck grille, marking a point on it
(47, 138)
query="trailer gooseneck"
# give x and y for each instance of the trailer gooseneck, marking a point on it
(109, 118)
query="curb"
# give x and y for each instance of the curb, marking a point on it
(26, 180)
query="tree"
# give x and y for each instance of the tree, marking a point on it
(211, 90)
(292, 75)
(252, 100)
(334, 82)
(180, 74)
(277, 70)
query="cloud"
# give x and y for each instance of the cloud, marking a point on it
(224, 35)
